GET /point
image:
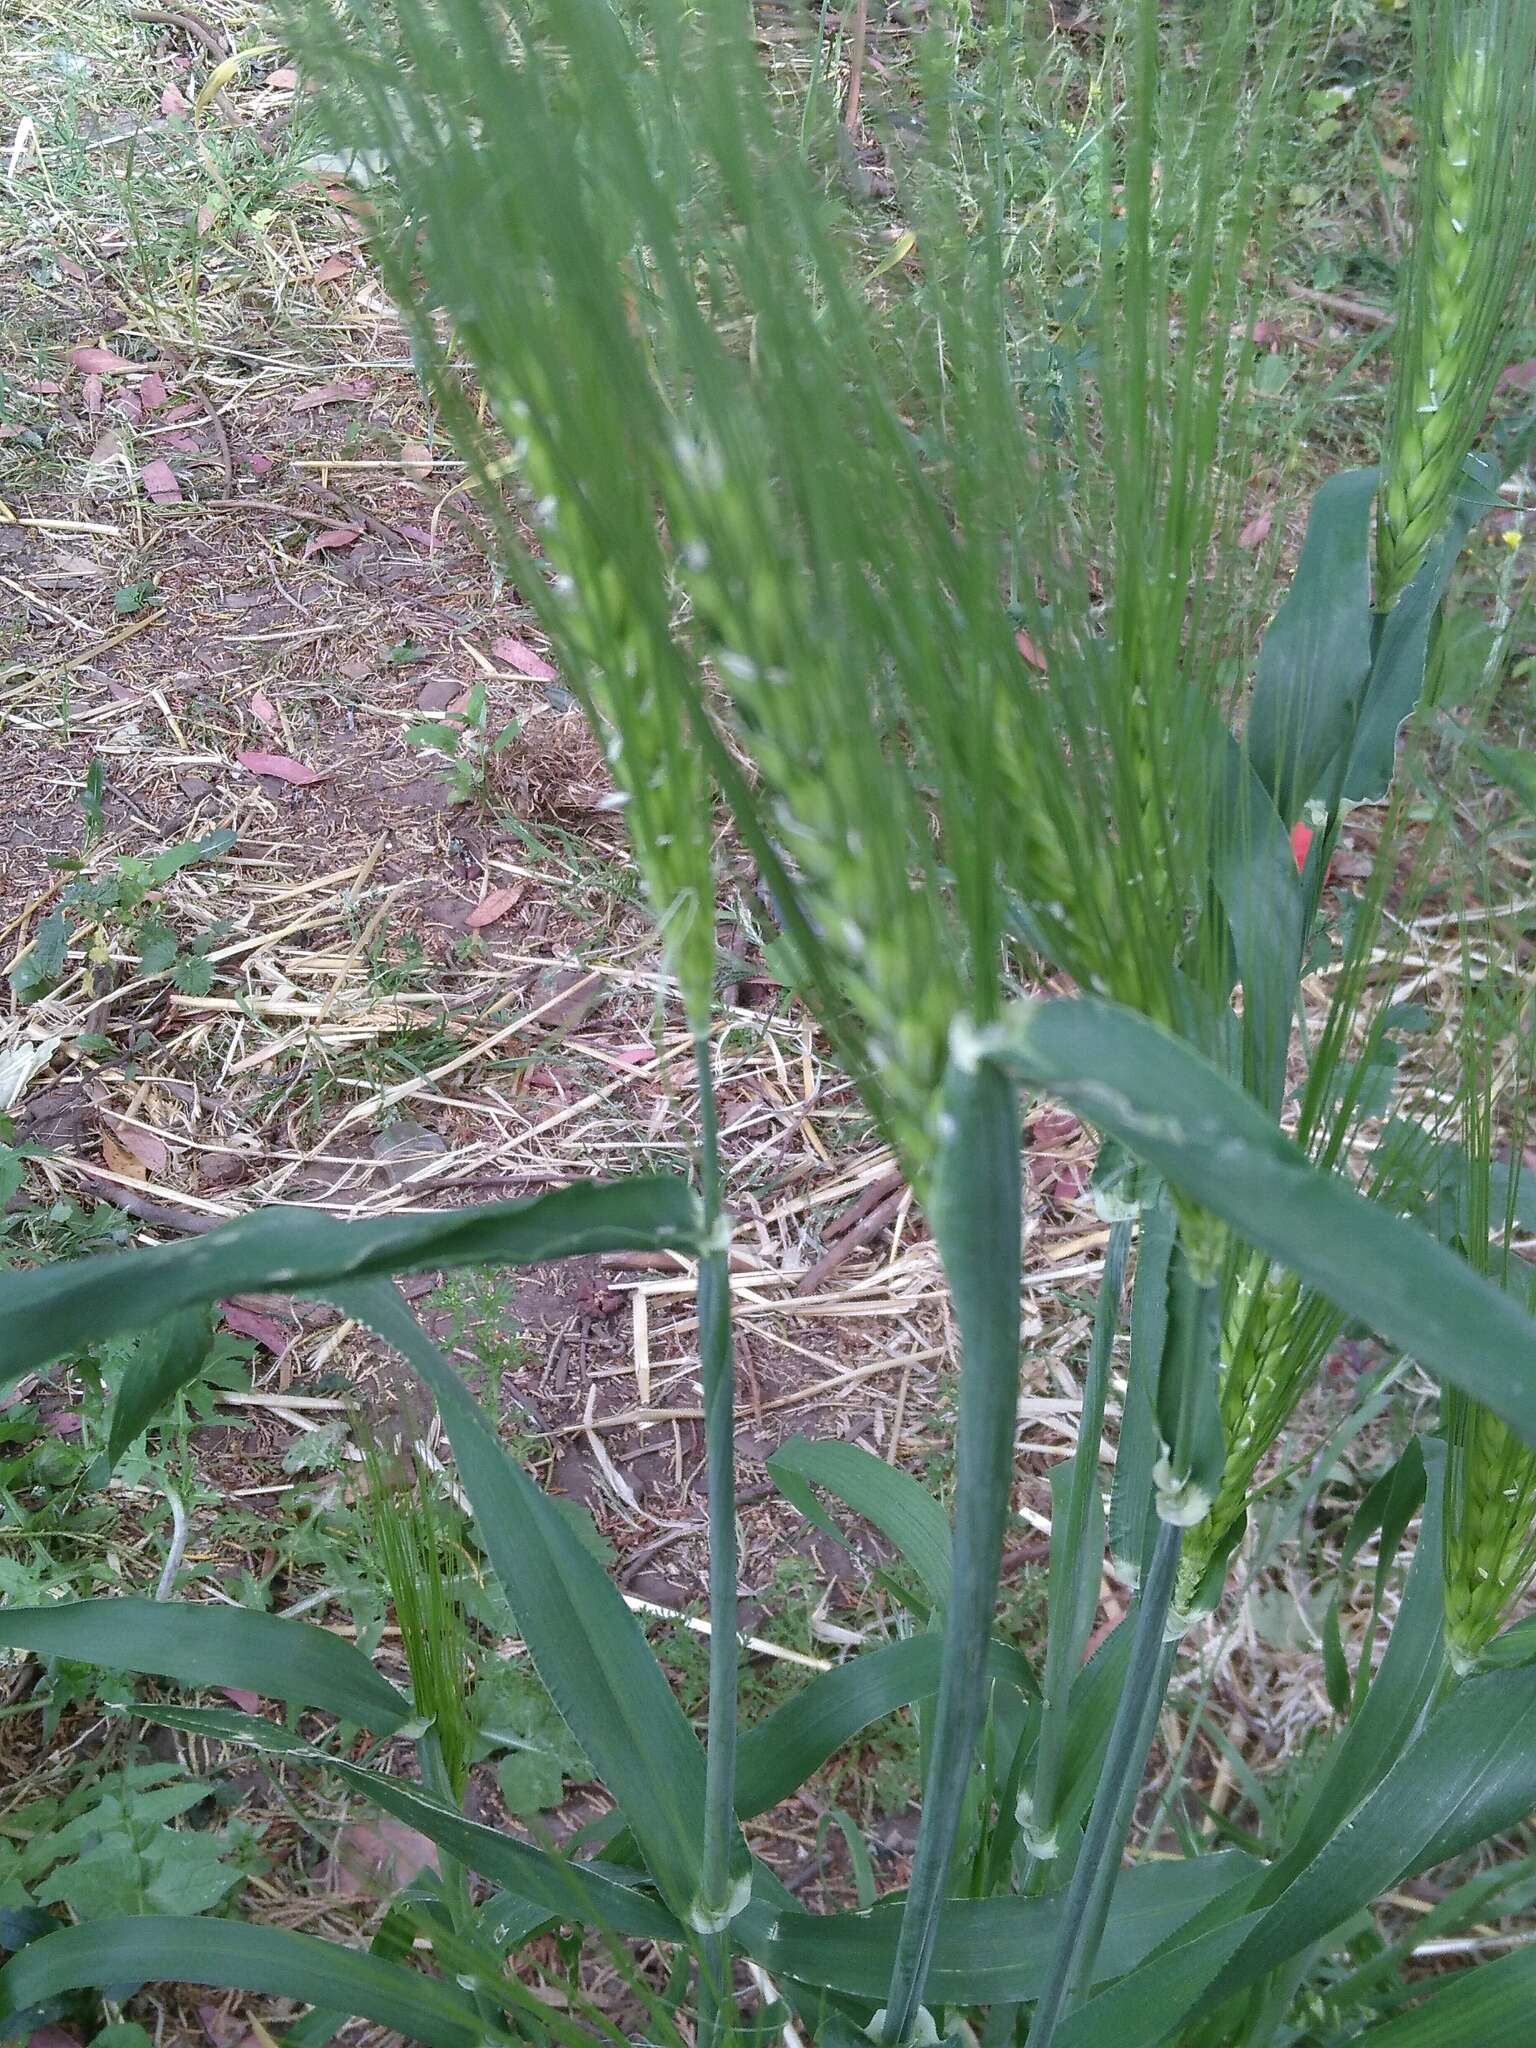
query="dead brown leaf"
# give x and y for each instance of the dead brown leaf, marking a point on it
(490, 909)
(283, 766)
(159, 481)
(341, 393)
(521, 658)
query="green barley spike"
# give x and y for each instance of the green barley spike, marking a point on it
(1474, 207)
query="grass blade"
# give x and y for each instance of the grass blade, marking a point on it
(572, 1892)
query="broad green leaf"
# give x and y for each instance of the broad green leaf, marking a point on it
(585, 1644)
(54, 1310)
(172, 859)
(1213, 1142)
(1146, 2006)
(574, 1892)
(900, 1508)
(1392, 1709)
(1131, 1508)
(213, 1645)
(1316, 656)
(1256, 879)
(1486, 2007)
(779, 1753)
(1514, 767)
(1188, 1416)
(1469, 1775)
(239, 1956)
(1396, 681)
(218, 1724)
(167, 1363)
(989, 1950)
(975, 1209)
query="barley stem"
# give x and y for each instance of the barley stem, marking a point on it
(715, 1359)
(976, 1216)
(1086, 1905)
(1075, 1598)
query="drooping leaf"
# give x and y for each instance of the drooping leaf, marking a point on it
(586, 1645)
(53, 1310)
(989, 1950)
(1316, 656)
(1396, 681)
(900, 1508)
(780, 1752)
(1214, 1142)
(170, 1359)
(573, 1892)
(1486, 2007)
(207, 1645)
(240, 1955)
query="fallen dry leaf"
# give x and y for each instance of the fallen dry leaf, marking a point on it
(101, 362)
(258, 465)
(521, 659)
(1256, 532)
(173, 101)
(442, 693)
(333, 268)
(145, 1150)
(490, 908)
(106, 451)
(262, 707)
(415, 459)
(90, 391)
(330, 537)
(159, 480)
(118, 1159)
(205, 219)
(1029, 650)
(331, 394)
(382, 1853)
(284, 76)
(283, 766)
(1519, 376)
(247, 1702)
(151, 393)
(247, 1322)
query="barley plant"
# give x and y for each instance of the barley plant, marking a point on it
(853, 553)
